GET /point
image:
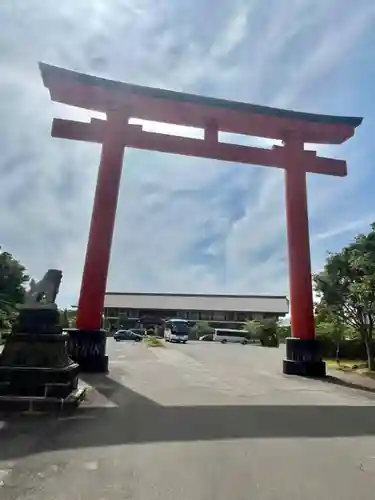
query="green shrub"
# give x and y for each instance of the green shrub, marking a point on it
(199, 329)
(283, 332)
(154, 341)
(265, 331)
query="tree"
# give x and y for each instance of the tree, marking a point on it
(12, 291)
(71, 315)
(12, 280)
(333, 329)
(64, 319)
(269, 332)
(201, 328)
(264, 330)
(346, 288)
(121, 321)
(4, 321)
(253, 329)
(283, 332)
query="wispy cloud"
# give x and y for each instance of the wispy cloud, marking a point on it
(183, 224)
(355, 227)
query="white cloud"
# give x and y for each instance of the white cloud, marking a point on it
(235, 30)
(183, 224)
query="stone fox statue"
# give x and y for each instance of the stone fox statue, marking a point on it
(45, 290)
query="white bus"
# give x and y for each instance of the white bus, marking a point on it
(225, 335)
(176, 330)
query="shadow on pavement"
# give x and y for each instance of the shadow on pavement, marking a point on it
(331, 379)
(115, 391)
(137, 419)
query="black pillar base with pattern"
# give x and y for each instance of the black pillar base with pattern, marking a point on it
(88, 349)
(303, 358)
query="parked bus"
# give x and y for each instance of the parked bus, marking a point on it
(176, 330)
(225, 335)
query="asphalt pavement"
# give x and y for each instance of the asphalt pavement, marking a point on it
(200, 421)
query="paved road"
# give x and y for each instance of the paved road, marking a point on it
(196, 422)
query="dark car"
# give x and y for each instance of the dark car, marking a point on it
(138, 331)
(127, 335)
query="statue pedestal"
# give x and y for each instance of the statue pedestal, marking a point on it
(36, 373)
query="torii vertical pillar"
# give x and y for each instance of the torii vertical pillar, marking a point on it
(302, 352)
(87, 345)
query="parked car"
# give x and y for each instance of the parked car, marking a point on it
(138, 331)
(127, 335)
(208, 337)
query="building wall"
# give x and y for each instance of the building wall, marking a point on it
(113, 314)
(181, 302)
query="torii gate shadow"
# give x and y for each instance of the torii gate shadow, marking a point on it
(137, 419)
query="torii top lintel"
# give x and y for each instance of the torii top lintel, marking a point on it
(99, 94)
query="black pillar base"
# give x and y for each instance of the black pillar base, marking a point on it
(87, 348)
(303, 358)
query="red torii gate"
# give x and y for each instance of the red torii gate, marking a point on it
(122, 101)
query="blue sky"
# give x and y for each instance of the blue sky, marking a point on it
(183, 224)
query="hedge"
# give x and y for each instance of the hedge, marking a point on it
(349, 349)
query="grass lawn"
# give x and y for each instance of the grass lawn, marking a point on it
(345, 364)
(348, 365)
